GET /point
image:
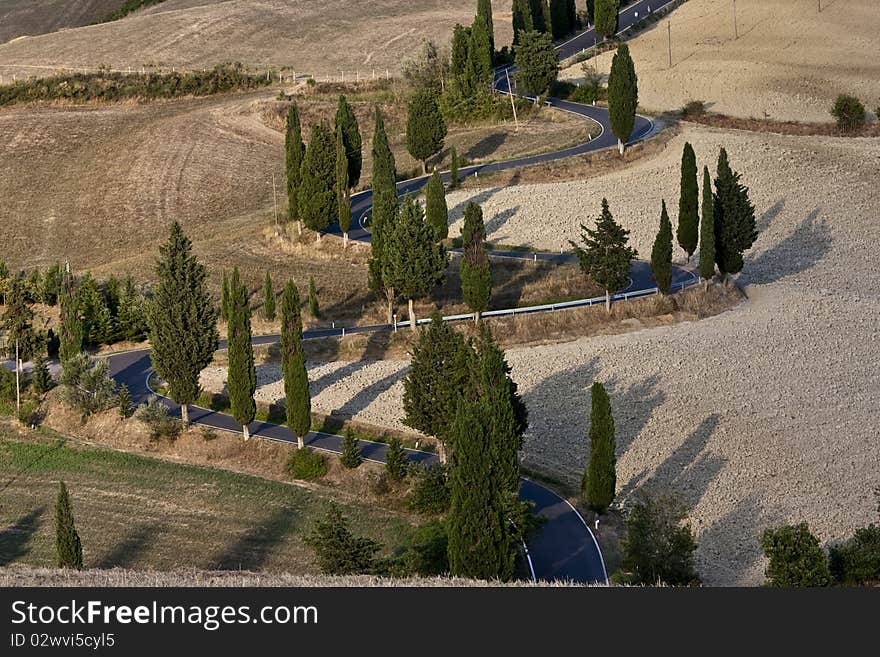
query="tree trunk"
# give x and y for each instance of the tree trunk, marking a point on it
(608, 301)
(246, 431)
(299, 227)
(344, 240)
(318, 240)
(300, 442)
(412, 316)
(441, 451)
(424, 167)
(389, 295)
(620, 146)
(477, 317)
(184, 414)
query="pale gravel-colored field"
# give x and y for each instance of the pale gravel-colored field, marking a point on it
(789, 62)
(761, 415)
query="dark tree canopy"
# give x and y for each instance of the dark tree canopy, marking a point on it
(295, 151)
(242, 378)
(537, 62)
(795, 557)
(688, 218)
(480, 57)
(540, 12)
(338, 551)
(343, 187)
(623, 95)
(351, 140)
(600, 478)
(425, 127)
(384, 202)
(605, 16)
(661, 254)
(735, 227)
(268, 299)
(436, 211)
(484, 13)
(522, 19)
(707, 229)
(317, 190)
(68, 549)
(476, 276)
(297, 398)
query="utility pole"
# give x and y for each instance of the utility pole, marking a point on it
(17, 381)
(669, 33)
(512, 104)
(735, 30)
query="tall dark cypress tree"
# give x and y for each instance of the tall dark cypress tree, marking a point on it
(182, 320)
(68, 548)
(295, 151)
(475, 274)
(351, 139)
(343, 190)
(484, 13)
(559, 18)
(297, 398)
(571, 11)
(268, 299)
(623, 95)
(480, 57)
(707, 231)
(242, 379)
(71, 331)
(605, 255)
(600, 479)
(735, 227)
(459, 60)
(384, 210)
(522, 19)
(436, 211)
(661, 254)
(605, 17)
(438, 374)
(540, 11)
(688, 219)
(425, 127)
(224, 298)
(414, 262)
(317, 189)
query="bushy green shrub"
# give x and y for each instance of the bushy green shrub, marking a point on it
(795, 557)
(849, 112)
(338, 551)
(694, 108)
(306, 464)
(351, 451)
(426, 552)
(160, 422)
(87, 386)
(857, 561)
(396, 461)
(430, 493)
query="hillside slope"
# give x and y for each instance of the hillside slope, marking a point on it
(29, 17)
(309, 37)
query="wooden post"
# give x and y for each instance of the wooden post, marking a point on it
(512, 104)
(669, 33)
(17, 381)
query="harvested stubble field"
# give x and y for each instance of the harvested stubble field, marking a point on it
(184, 515)
(788, 64)
(20, 18)
(319, 38)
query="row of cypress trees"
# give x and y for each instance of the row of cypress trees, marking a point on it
(555, 17)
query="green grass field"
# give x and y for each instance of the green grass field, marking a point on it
(138, 512)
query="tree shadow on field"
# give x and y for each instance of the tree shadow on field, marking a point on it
(457, 212)
(375, 349)
(15, 539)
(771, 214)
(134, 545)
(499, 220)
(633, 408)
(367, 395)
(810, 242)
(509, 282)
(486, 146)
(253, 549)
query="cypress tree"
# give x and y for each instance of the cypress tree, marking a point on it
(479, 538)
(571, 11)
(559, 16)
(591, 11)
(297, 399)
(459, 60)
(605, 256)
(453, 168)
(42, 380)
(131, 319)
(707, 230)
(68, 548)
(384, 209)
(484, 14)
(98, 325)
(436, 212)
(537, 62)
(480, 56)
(351, 139)
(425, 127)
(242, 379)
(661, 254)
(522, 19)
(688, 219)
(605, 17)
(540, 12)
(182, 320)
(476, 277)
(437, 376)
(17, 321)
(735, 228)
(71, 331)
(343, 191)
(295, 152)
(314, 309)
(623, 95)
(224, 298)
(795, 557)
(126, 409)
(351, 451)
(414, 262)
(317, 189)
(396, 461)
(600, 478)
(268, 299)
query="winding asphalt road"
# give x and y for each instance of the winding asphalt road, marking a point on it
(564, 548)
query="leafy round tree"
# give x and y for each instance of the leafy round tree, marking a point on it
(268, 299)
(425, 127)
(659, 546)
(242, 378)
(294, 153)
(396, 461)
(661, 254)
(623, 95)
(849, 112)
(537, 62)
(688, 219)
(182, 320)
(297, 398)
(351, 139)
(605, 16)
(343, 193)
(600, 478)
(795, 557)
(707, 230)
(317, 191)
(605, 255)
(351, 451)
(414, 263)
(68, 548)
(735, 227)
(384, 211)
(436, 212)
(476, 277)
